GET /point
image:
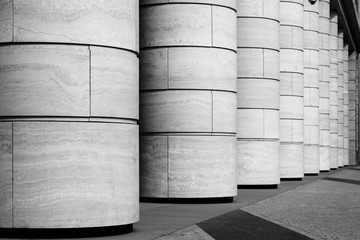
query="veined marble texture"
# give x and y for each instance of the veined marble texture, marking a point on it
(291, 107)
(258, 162)
(188, 68)
(188, 98)
(187, 166)
(258, 100)
(291, 84)
(257, 32)
(324, 158)
(112, 23)
(291, 13)
(258, 63)
(291, 37)
(187, 25)
(69, 175)
(257, 124)
(114, 83)
(324, 106)
(291, 130)
(6, 16)
(68, 81)
(6, 170)
(292, 160)
(292, 60)
(258, 8)
(311, 159)
(180, 111)
(258, 93)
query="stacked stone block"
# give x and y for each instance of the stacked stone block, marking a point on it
(352, 108)
(188, 99)
(333, 90)
(324, 84)
(258, 92)
(69, 111)
(311, 88)
(340, 98)
(346, 103)
(291, 89)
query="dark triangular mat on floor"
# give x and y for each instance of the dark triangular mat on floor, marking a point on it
(241, 225)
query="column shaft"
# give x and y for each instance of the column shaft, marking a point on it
(311, 88)
(352, 108)
(333, 90)
(340, 98)
(69, 111)
(258, 92)
(291, 89)
(324, 84)
(188, 99)
(346, 103)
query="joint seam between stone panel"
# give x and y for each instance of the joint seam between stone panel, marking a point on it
(265, 18)
(260, 108)
(291, 2)
(187, 46)
(266, 48)
(289, 25)
(185, 3)
(12, 21)
(212, 111)
(259, 78)
(167, 67)
(311, 30)
(212, 25)
(12, 175)
(89, 48)
(185, 89)
(263, 72)
(167, 162)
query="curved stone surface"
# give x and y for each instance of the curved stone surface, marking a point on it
(292, 161)
(64, 176)
(180, 111)
(259, 8)
(254, 93)
(292, 62)
(225, 3)
(6, 176)
(6, 16)
(187, 166)
(187, 25)
(257, 63)
(188, 99)
(55, 80)
(258, 162)
(188, 68)
(258, 92)
(113, 23)
(257, 124)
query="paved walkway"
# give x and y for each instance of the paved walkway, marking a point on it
(326, 206)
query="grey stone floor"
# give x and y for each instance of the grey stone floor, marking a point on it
(317, 208)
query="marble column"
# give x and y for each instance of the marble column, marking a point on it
(69, 111)
(352, 108)
(258, 98)
(291, 89)
(333, 90)
(324, 84)
(346, 103)
(340, 98)
(188, 99)
(311, 88)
